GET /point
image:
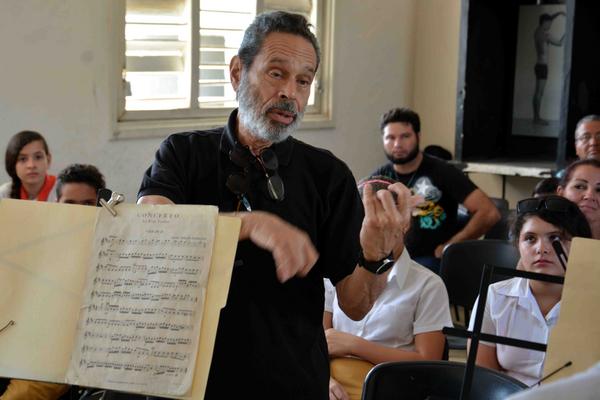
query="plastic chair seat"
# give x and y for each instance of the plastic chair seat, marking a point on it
(435, 380)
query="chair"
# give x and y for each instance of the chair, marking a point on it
(501, 228)
(420, 380)
(462, 265)
(500, 203)
(461, 268)
(3, 384)
(438, 151)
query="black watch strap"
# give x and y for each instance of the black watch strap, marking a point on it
(377, 267)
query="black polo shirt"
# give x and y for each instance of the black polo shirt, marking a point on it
(270, 340)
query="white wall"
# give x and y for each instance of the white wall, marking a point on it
(436, 70)
(434, 94)
(55, 74)
(57, 58)
(54, 78)
(374, 46)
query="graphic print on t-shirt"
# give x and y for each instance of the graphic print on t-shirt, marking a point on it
(430, 213)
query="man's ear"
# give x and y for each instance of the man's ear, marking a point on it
(235, 72)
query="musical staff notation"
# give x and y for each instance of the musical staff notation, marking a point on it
(139, 367)
(146, 339)
(144, 298)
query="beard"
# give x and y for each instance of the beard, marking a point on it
(404, 160)
(257, 122)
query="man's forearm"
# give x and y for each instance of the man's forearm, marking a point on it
(292, 249)
(357, 292)
(382, 231)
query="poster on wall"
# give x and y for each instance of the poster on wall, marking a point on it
(539, 70)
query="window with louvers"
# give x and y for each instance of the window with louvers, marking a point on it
(177, 55)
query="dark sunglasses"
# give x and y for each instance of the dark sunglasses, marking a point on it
(239, 183)
(553, 203)
(269, 164)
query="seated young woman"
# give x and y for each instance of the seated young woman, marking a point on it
(527, 309)
(581, 185)
(405, 323)
(27, 160)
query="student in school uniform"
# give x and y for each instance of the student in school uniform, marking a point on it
(27, 161)
(528, 309)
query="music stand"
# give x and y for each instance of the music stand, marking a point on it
(475, 335)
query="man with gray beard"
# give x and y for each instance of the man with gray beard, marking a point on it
(302, 220)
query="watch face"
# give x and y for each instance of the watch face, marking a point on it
(387, 264)
(376, 267)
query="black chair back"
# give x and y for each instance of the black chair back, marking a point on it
(435, 380)
(500, 203)
(462, 265)
(3, 384)
(501, 228)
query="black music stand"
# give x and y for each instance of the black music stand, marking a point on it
(476, 335)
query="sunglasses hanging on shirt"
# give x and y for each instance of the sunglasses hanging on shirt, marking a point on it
(266, 162)
(269, 164)
(239, 185)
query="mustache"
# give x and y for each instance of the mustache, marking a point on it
(284, 105)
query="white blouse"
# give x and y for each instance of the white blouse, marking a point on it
(512, 311)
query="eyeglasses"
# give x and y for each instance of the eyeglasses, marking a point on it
(270, 164)
(587, 137)
(239, 184)
(552, 203)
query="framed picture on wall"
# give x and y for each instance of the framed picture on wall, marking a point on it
(539, 71)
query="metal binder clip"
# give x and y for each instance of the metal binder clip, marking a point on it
(115, 199)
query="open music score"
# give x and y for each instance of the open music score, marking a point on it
(140, 320)
(126, 304)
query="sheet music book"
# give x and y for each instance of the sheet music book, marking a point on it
(128, 303)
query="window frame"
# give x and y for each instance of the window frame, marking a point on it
(159, 123)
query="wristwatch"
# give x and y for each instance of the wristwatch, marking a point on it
(376, 267)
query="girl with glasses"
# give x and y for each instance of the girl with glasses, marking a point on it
(527, 309)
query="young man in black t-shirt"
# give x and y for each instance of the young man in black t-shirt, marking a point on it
(443, 187)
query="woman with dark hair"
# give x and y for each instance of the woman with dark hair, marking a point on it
(27, 161)
(581, 185)
(528, 309)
